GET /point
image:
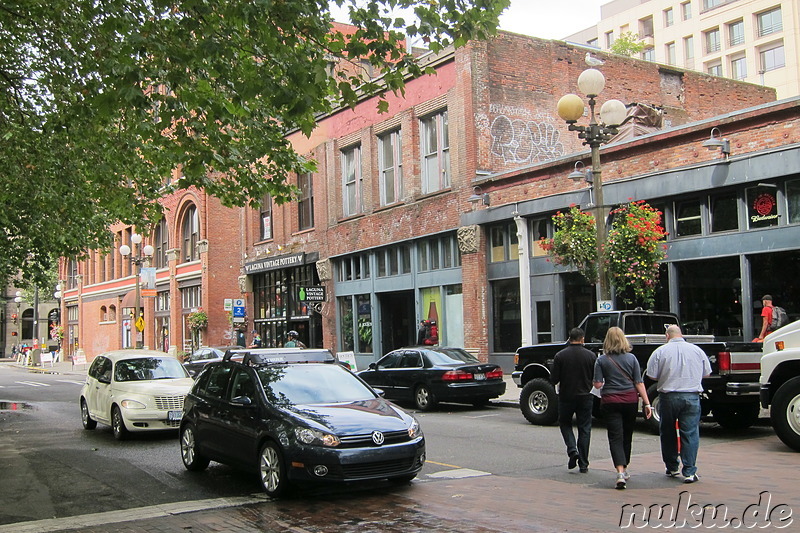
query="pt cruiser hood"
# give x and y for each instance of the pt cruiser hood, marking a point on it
(166, 387)
(354, 418)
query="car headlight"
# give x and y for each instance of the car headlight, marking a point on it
(132, 404)
(414, 430)
(316, 437)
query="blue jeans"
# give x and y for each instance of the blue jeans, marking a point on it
(685, 408)
(581, 407)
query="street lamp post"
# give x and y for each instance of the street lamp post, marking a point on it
(18, 301)
(570, 108)
(142, 254)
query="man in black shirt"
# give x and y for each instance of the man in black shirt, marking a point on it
(573, 369)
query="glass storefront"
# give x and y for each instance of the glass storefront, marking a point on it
(278, 308)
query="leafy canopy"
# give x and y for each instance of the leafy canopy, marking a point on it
(101, 100)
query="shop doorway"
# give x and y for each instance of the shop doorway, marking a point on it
(398, 326)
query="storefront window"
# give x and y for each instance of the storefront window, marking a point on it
(793, 201)
(724, 212)
(346, 324)
(504, 243)
(710, 297)
(364, 307)
(506, 320)
(762, 207)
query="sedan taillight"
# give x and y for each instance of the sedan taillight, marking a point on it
(495, 374)
(457, 375)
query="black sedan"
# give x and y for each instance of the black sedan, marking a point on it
(428, 375)
(204, 355)
(294, 420)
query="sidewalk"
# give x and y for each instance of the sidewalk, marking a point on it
(511, 397)
(62, 367)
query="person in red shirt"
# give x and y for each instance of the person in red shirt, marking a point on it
(766, 314)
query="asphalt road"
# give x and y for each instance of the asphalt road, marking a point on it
(53, 468)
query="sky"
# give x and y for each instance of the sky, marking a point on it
(547, 19)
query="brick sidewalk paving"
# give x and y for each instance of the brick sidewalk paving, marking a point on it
(733, 474)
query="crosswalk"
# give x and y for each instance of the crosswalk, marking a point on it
(41, 384)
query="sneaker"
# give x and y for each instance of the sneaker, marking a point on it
(585, 470)
(573, 461)
(673, 473)
(691, 479)
(621, 482)
(626, 475)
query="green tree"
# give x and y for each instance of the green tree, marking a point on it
(628, 44)
(101, 100)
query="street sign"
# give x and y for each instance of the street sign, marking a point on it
(228, 304)
(238, 320)
(238, 302)
(238, 312)
(315, 293)
(140, 324)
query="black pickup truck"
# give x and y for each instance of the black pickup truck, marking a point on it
(731, 391)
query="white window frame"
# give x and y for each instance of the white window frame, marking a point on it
(435, 159)
(352, 181)
(392, 140)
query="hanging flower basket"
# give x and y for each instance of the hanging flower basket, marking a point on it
(574, 242)
(197, 320)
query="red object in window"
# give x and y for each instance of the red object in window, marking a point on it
(13, 333)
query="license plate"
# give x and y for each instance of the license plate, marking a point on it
(174, 415)
(480, 377)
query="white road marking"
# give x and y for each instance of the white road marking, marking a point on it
(71, 381)
(480, 416)
(458, 473)
(127, 515)
(32, 383)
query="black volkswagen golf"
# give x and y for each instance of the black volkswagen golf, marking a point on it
(295, 416)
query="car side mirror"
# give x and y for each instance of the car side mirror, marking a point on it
(242, 401)
(379, 392)
(373, 366)
(104, 378)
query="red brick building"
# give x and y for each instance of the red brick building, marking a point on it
(385, 225)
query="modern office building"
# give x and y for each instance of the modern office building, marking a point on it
(755, 41)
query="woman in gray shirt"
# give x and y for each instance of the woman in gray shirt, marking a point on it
(617, 371)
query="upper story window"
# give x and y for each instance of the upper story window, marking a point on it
(646, 27)
(773, 57)
(769, 22)
(649, 54)
(390, 165)
(712, 40)
(162, 301)
(352, 181)
(435, 148)
(191, 297)
(305, 205)
(190, 233)
(161, 244)
(669, 17)
(686, 10)
(739, 68)
(714, 68)
(725, 212)
(669, 50)
(503, 243)
(72, 274)
(265, 218)
(736, 33)
(609, 38)
(762, 207)
(708, 4)
(688, 48)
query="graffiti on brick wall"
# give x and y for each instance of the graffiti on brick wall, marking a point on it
(518, 136)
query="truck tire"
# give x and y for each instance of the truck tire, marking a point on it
(785, 413)
(654, 422)
(736, 416)
(539, 402)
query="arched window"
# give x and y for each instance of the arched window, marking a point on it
(112, 313)
(190, 234)
(161, 244)
(103, 314)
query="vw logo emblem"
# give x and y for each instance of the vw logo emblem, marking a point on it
(377, 437)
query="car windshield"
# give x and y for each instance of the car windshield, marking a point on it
(449, 356)
(311, 383)
(147, 368)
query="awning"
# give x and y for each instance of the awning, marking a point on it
(129, 302)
